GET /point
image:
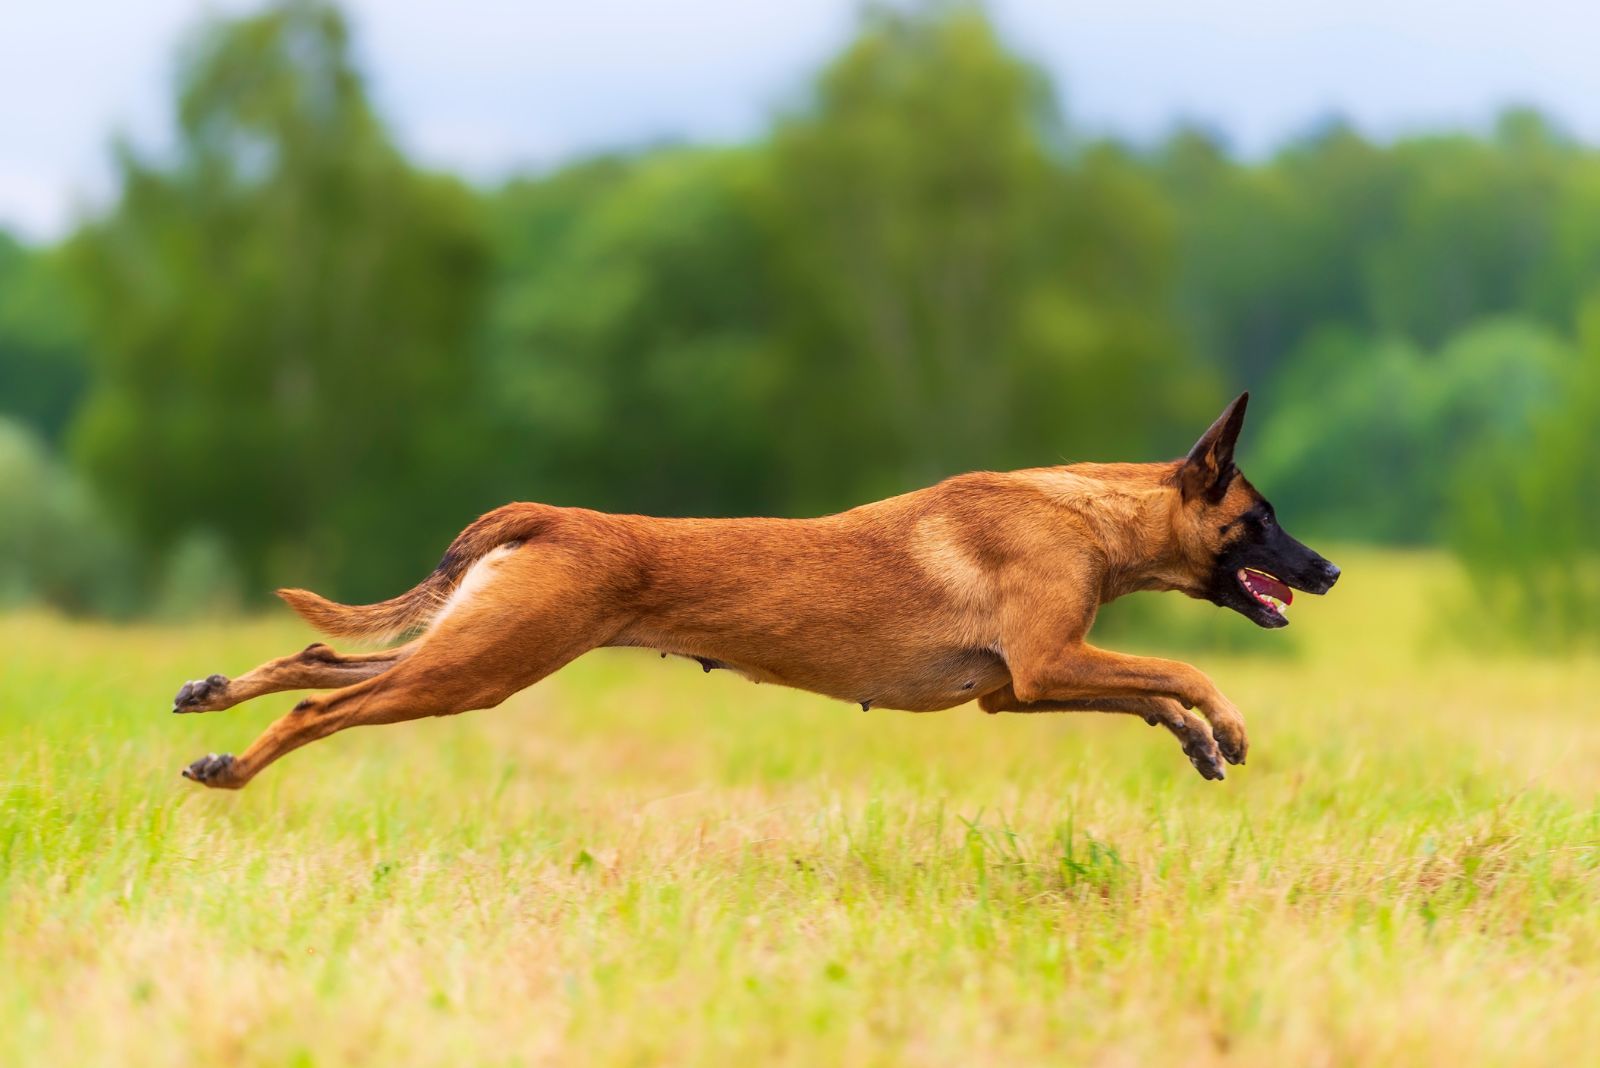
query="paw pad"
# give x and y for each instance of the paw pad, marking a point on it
(1205, 757)
(194, 694)
(209, 769)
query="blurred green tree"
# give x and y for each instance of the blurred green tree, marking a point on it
(1271, 253)
(1526, 509)
(1416, 240)
(283, 314)
(1364, 438)
(44, 364)
(312, 362)
(56, 545)
(960, 289)
(631, 337)
(1476, 233)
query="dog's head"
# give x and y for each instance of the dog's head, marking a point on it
(1236, 554)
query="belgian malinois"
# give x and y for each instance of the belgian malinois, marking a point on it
(981, 587)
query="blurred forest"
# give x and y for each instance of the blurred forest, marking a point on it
(287, 354)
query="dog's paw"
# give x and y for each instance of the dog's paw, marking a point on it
(1232, 740)
(201, 695)
(1228, 727)
(1203, 753)
(214, 769)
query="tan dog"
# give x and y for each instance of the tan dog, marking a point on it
(981, 587)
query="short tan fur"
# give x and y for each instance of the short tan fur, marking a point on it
(983, 587)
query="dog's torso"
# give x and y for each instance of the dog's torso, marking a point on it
(897, 604)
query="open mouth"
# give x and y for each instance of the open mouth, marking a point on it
(1268, 591)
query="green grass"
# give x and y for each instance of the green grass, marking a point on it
(635, 863)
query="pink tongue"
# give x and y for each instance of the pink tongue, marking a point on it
(1270, 586)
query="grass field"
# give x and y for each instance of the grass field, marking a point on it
(636, 863)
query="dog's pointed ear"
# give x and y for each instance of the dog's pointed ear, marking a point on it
(1208, 470)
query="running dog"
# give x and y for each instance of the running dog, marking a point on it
(982, 587)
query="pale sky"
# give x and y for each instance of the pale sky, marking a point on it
(485, 87)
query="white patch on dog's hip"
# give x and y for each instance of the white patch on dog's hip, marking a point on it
(473, 582)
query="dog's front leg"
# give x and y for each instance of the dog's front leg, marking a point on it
(1079, 671)
(1191, 731)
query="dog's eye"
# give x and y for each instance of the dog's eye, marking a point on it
(1267, 522)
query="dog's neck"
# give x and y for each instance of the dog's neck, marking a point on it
(1153, 561)
(1130, 511)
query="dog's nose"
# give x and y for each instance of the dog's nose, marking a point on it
(1331, 571)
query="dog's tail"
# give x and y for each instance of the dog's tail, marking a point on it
(415, 609)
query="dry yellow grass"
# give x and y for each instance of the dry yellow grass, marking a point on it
(635, 863)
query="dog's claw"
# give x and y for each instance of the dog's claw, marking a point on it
(209, 769)
(195, 695)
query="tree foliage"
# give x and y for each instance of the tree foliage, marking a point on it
(44, 368)
(283, 317)
(287, 354)
(959, 289)
(56, 544)
(632, 356)
(1526, 509)
(1374, 446)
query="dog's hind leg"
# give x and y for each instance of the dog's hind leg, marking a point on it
(1192, 732)
(315, 667)
(538, 612)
